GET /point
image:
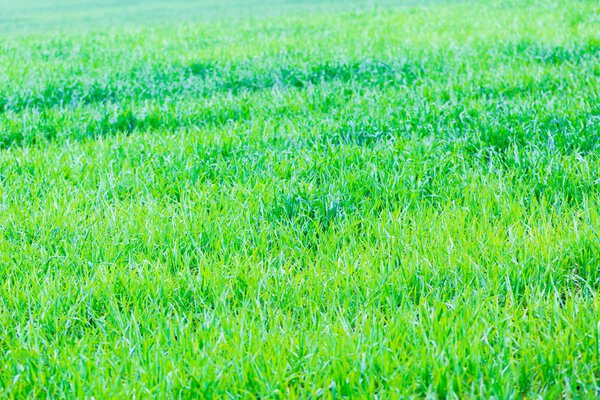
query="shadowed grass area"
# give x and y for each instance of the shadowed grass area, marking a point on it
(391, 202)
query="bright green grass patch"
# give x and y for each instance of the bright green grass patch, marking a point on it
(386, 202)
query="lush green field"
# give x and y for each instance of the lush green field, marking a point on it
(325, 199)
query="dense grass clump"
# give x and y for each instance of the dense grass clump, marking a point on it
(391, 201)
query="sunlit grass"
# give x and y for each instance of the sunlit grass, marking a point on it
(386, 201)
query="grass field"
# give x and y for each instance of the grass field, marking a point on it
(300, 199)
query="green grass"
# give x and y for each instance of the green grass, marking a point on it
(330, 200)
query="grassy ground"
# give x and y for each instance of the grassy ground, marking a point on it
(348, 201)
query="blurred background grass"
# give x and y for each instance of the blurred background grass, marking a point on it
(19, 16)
